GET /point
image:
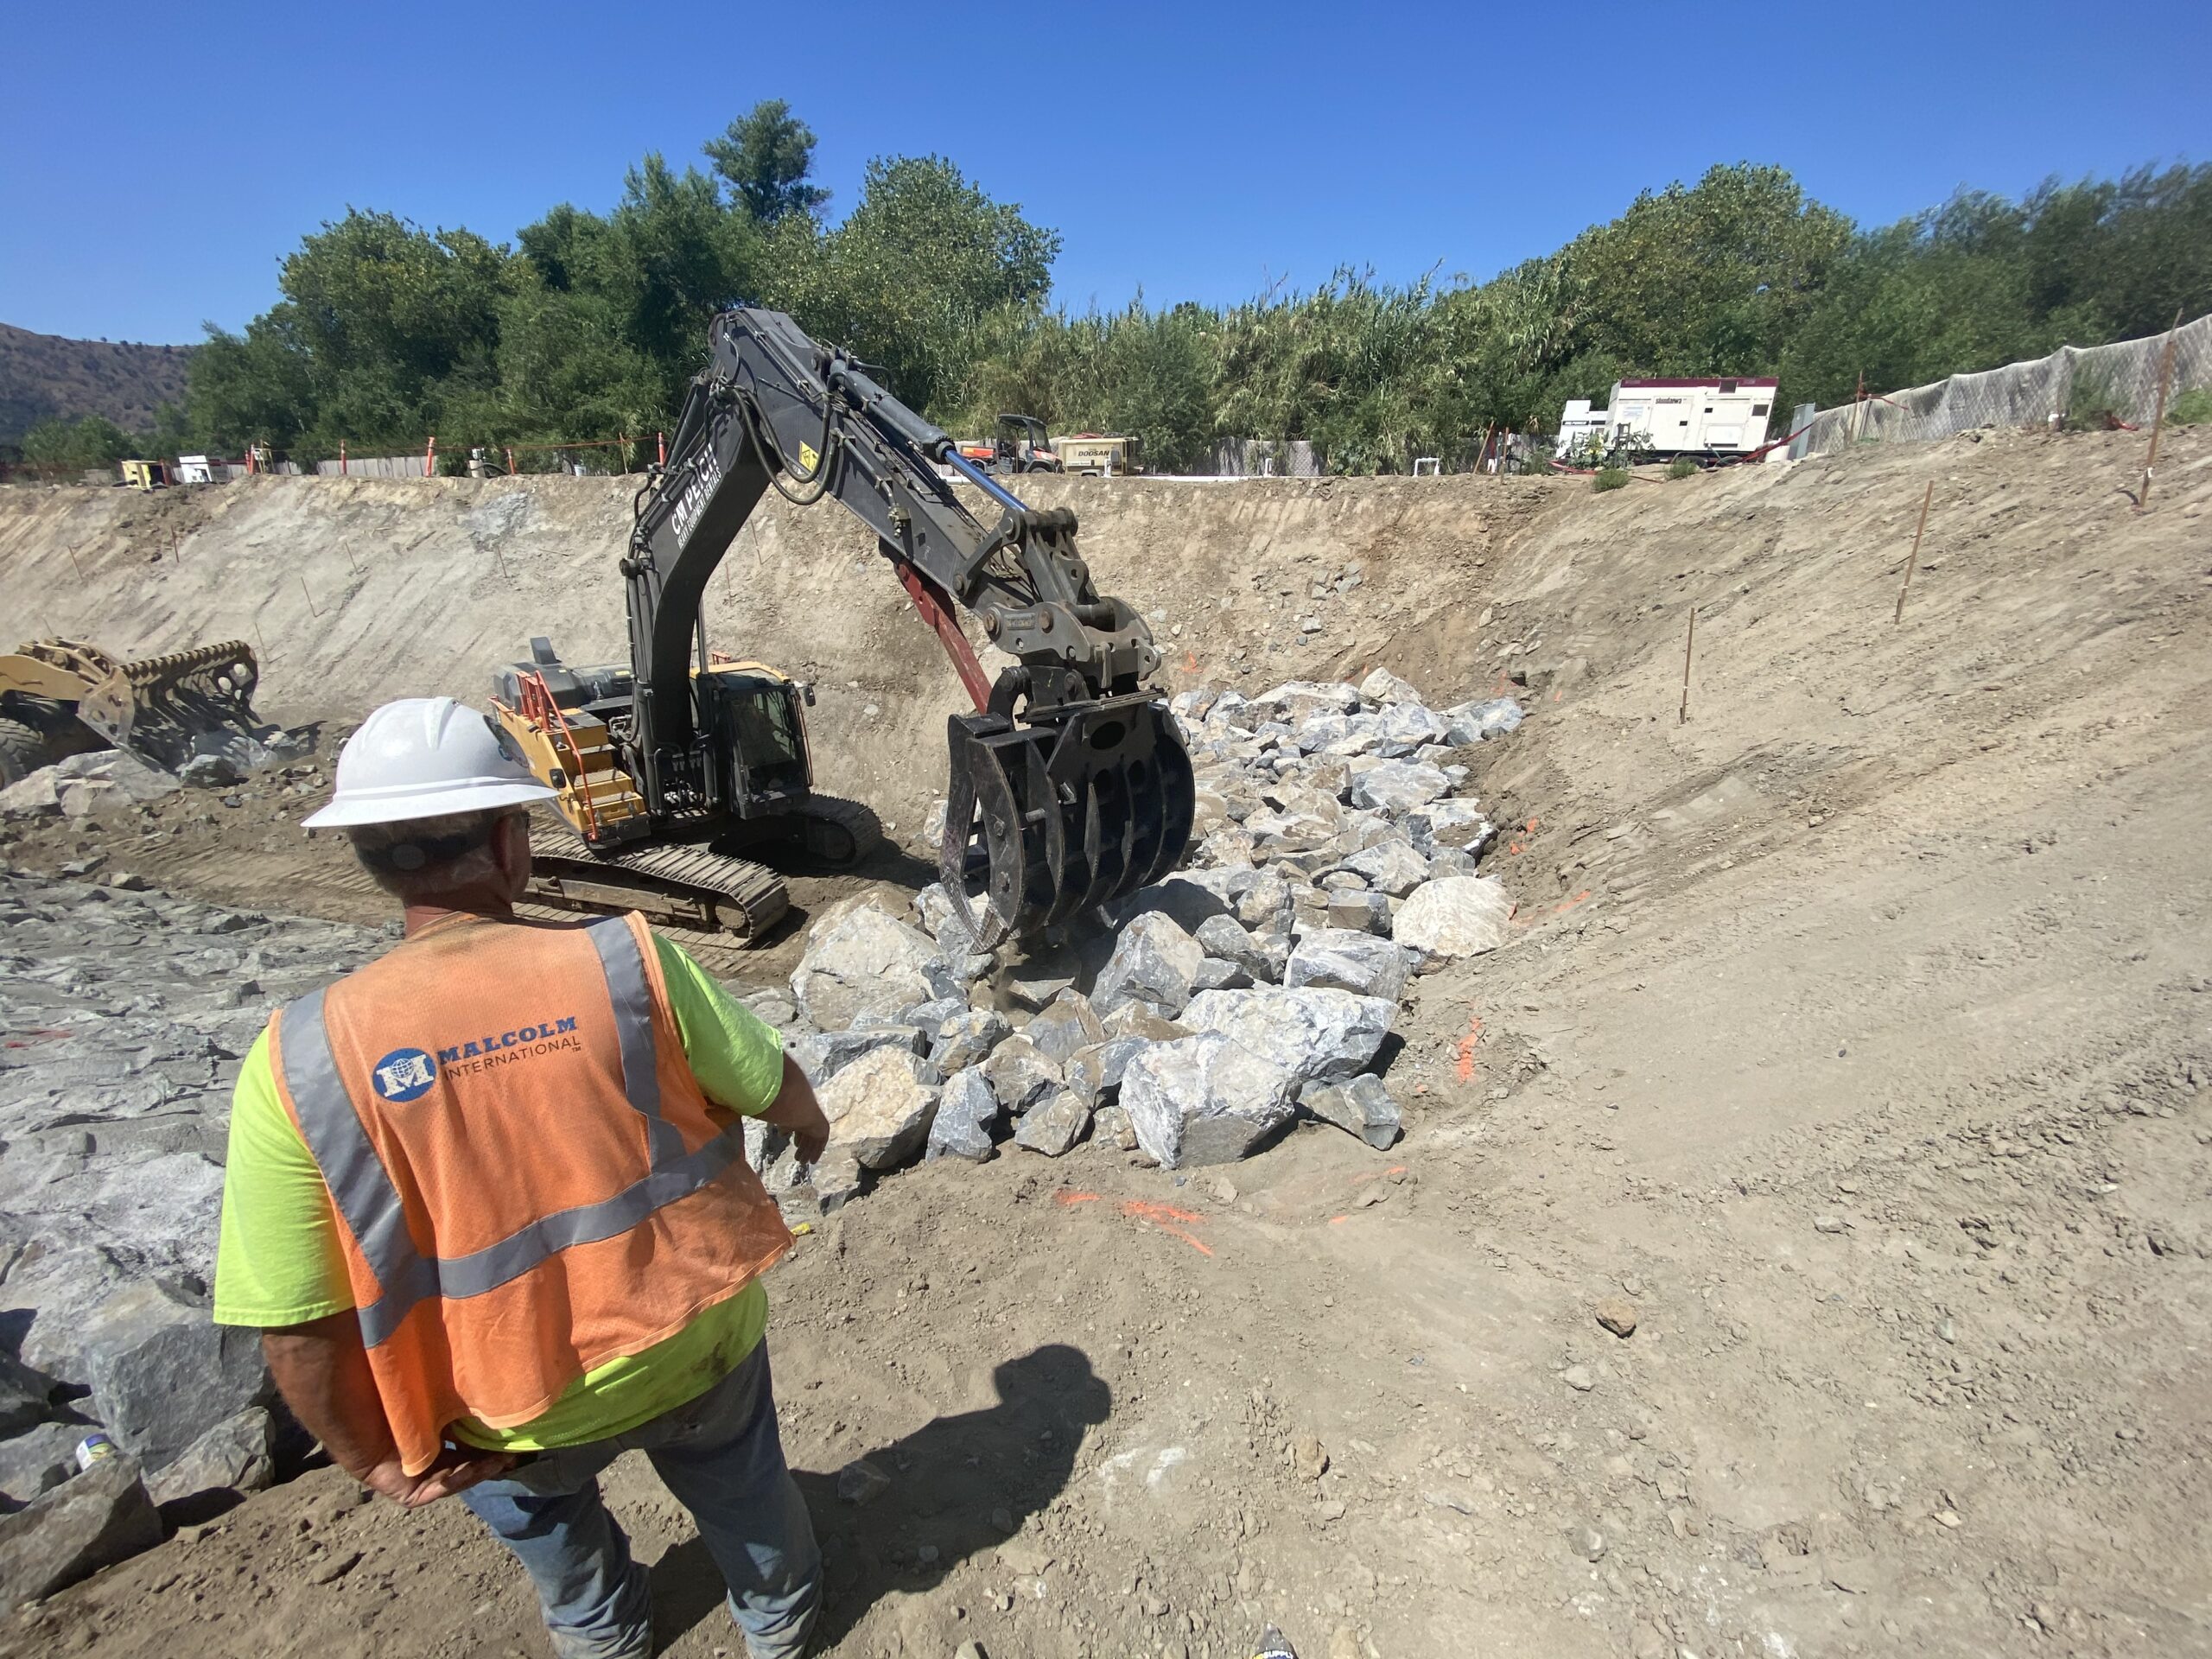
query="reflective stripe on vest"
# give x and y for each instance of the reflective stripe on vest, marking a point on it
(362, 1188)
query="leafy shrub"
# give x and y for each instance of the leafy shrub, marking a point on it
(1681, 466)
(1610, 478)
(2093, 404)
(2191, 408)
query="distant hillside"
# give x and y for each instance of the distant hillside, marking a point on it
(44, 374)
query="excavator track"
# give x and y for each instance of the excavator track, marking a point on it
(682, 886)
(838, 834)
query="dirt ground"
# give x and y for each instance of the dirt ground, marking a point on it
(1857, 1035)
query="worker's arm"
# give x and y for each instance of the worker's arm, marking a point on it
(323, 1373)
(736, 1056)
(796, 1108)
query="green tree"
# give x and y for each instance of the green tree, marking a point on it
(909, 277)
(766, 155)
(58, 446)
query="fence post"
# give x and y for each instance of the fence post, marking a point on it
(1689, 645)
(430, 458)
(1914, 558)
(2158, 419)
(511, 461)
(341, 457)
(660, 440)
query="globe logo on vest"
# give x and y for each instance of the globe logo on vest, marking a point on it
(404, 1074)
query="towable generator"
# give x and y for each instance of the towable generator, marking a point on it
(1069, 784)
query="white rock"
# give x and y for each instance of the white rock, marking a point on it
(1391, 867)
(1313, 1034)
(1406, 727)
(1154, 961)
(1398, 785)
(1455, 916)
(1473, 722)
(1205, 1099)
(1384, 686)
(1351, 961)
(1362, 1106)
(37, 796)
(1294, 700)
(965, 1112)
(879, 1108)
(1055, 1127)
(868, 962)
(1261, 955)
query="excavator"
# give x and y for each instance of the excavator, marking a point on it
(1069, 785)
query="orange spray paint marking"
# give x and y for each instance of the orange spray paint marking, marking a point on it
(1075, 1198)
(1338, 1221)
(1190, 662)
(1196, 1244)
(1530, 827)
(1562, 909)
(1146, 1209)
(1463, 1066)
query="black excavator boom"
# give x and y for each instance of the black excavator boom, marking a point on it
(1069, 785)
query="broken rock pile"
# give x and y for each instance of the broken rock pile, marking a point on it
(123, 1016)
(1333, 859)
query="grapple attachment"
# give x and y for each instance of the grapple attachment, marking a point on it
(1056, 812)
(162, 707)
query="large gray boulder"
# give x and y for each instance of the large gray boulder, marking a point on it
(1473, 722)
(1297, 700)
(1068, 1025)
(823, 1055)
(163, 1374)
(879, 1108)
(1362, 1106)
(103, 778)
(1205, 1099)
(1154, 961)
(1260, 955)
(1406, 727)
(1055, 1127)
(1382, 686)
(1021, 1074)
(965, 1113)
(1186, 897)
(1361, 912)
(1391, 867)
(1349, 961)
(37, 1461)
(967, 1039)
(867, 962)
(231, 1459)
(102, 1517)
(38, 796)
(1447, 823)
(1313, 1035)
(1095, 1074)
(1454, 916)
(1398, 785)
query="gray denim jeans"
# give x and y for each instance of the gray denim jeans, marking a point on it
(722, 1460)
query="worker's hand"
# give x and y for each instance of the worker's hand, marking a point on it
(455, 1471)
(813, 1140)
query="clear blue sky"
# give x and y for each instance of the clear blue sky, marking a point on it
(156, 162)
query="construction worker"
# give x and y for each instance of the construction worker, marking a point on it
(481, 1202)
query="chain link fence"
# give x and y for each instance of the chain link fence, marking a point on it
(2120, 379)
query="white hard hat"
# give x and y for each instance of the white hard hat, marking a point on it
(424, 758)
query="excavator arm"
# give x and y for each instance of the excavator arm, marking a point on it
(1069, 785)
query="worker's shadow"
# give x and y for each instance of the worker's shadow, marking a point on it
(955, 1484)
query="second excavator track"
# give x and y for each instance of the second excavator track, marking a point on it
(686, 886)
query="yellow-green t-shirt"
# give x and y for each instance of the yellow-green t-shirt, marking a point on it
(279, 1262)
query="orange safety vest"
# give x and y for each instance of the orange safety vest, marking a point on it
(527, 1180)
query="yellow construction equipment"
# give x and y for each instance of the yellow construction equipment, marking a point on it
(62, 697)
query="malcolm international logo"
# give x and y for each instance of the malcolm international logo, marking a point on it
(407, 1074)
(404, 1074)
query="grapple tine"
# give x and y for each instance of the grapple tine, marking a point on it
(1083, 804)
(978, 781)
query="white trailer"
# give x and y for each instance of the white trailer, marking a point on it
(1576, 423)
(1719, 416)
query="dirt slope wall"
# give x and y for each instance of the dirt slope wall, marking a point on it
(359, 589)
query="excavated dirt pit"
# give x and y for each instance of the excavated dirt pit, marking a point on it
(1855, 1031)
